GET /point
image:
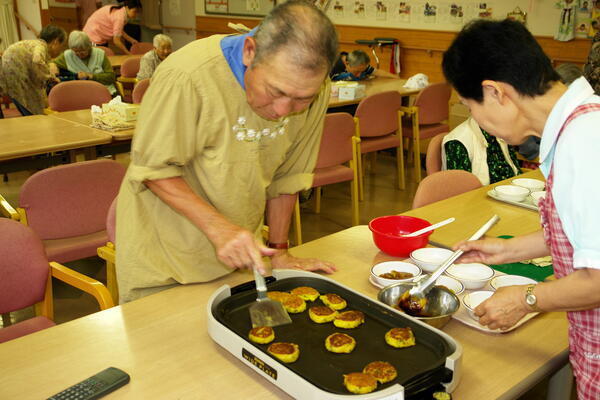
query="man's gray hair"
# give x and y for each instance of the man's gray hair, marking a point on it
(304, 32)
(357, 57)
(161, 38)
(79, 40)
(568, 72)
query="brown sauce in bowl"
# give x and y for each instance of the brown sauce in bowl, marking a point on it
(393, 274)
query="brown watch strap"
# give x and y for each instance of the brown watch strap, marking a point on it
(280, 246)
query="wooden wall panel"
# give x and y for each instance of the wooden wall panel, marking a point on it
(64, 17)
(421, 51)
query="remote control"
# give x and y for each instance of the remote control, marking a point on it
(95, 386)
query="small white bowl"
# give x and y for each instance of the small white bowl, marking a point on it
(473, 299)
(534, 185)
(390, 266)
(537, 196)
(510, 280)
(430, 258)
(473, 276)
(454, 285)
(511, 192)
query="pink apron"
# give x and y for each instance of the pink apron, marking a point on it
(584, 326)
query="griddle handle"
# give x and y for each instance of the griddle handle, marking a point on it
(250, 285)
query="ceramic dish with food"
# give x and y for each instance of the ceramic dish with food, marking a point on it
(430, 258)
(472, 276)
(473, 299)
(511, 192)
(537, 196)
(534, 185)
(391, 272)
(510, 280)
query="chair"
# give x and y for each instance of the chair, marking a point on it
(77, 95)
(27, 280)
(441, 185)
(127, 80)
(107, 252)
(67, 207)
(338, 146)
(378, 121)
(139, 90)
(141, 48)
(433, 160)
(107, 50)
(428, 116)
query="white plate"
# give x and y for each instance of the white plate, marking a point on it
(527, 203)
(372, 281)
(510, 280)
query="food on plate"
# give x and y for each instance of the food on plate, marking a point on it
(294, 304)
(400, 337)
(349, 319)
(307, 293)
(333, 301)
(412, 305)
(262, 334)
(383, 371)
(286, 352)
(322, 314)
(359, 383)
(393, 274)
(442, 396)
(340, 343)
(278, 296)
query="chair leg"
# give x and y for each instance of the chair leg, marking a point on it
(417, 163)
(111, 281)
(6, 319)
(318, 200)
(400, 163)
(361, 177)
(354, 199)
(297, 223)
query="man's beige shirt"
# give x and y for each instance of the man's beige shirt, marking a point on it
(185, 128)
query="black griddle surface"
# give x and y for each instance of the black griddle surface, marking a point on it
(419, 367)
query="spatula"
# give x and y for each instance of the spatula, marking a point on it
(417, 294)
(266, 312)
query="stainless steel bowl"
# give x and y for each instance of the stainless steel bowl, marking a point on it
(441, 302)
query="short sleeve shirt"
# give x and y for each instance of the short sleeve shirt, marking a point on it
(104, 24)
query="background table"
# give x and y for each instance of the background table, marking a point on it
(374, 86)
(84, 117)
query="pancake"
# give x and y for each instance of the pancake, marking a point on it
(262, 334)
(381, 370)
(322, 314)
(340, 343)
(294, 304)
(286, 352)
(360, 383)
(333, 301)
(349, 319)
(278, 296)
(307, 293)
(400, 337)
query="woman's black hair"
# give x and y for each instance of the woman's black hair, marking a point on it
(127, 3)
(52, 32)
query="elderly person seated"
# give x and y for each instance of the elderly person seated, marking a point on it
(163, 46)
(82, 61)
(470, 148)
(355, 66)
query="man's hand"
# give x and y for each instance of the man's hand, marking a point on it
(284, 260)
(504, 309)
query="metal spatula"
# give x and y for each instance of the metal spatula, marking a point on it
(266, 312)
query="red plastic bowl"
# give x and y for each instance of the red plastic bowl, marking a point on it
(387, 233)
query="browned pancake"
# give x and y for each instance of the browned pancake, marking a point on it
(278, 296)
(349, 319)
(286, 352)
(322, 310)
(294, 304)
(333, 301)
(401, 333)
(381, 370)
(306, 292)
(339, 339)
(261, 331)
(357, 382)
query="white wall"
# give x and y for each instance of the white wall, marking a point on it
(30, 11)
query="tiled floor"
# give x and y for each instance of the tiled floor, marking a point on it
(381, 198)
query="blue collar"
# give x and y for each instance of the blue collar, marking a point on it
(232, 48)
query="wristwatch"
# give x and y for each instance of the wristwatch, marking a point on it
(531, 299)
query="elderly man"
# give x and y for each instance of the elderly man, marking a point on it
(356, 66)
(83, 61)
(223, 130)
(513, 92)
(163, 46)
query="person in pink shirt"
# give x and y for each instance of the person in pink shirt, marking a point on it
(107, 23)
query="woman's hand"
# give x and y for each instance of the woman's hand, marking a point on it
(504, 309)
(486, 251)
(53, 68)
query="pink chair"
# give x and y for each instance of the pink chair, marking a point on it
(141, 48)
(77, 95)
(338, 146)
(67, 206)
(107, 252)
(130, 67)
(139, 90)
(27, 280)
(378, 126)
(444, 184)
(428, 116)
(127, 80)
(106, 50)
(433, 160)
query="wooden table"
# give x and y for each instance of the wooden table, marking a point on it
(84, 117)
(117, 60)
(374, 86)
(162, 340)
(38, 134)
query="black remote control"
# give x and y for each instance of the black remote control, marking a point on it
(95, 386)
